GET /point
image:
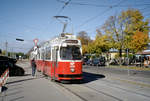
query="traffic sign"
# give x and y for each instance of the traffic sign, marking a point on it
(35, 41)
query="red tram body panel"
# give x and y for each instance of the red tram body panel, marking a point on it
(63, 71)
(60, 58)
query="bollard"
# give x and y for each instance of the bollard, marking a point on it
(4, 78)
(0, 85)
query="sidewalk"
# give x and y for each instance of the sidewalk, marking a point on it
(28, 88)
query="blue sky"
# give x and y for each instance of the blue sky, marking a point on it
(30, 19)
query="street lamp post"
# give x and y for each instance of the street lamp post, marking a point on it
(6, 48)
(128, 61)
(18, 39)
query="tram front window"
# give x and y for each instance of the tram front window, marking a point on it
(70, 53)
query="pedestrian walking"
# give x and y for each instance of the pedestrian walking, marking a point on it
(33, 64)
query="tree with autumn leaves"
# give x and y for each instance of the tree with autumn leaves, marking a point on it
(124, 28)
(139, 41)
(97, 46)
(129, 30)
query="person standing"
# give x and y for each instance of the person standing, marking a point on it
(33, 64)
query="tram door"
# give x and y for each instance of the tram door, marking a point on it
(54, 62)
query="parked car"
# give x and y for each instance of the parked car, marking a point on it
(102, 61)
(14, 70)
(84, 61)
(99, 61)
(96, 62)
(89, 62)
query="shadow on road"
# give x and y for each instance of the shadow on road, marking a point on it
(20, 80)
(89, 77)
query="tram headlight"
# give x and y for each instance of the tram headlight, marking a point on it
(72, 70)
(64, 45)
(72, 66)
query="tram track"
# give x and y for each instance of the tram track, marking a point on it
(82, 98)
(118, 99)
(109, 83)
(88, 87)
(84, 91)
(125, 89)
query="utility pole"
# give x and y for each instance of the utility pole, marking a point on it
(12, 55)
(6, 44)
(128, 61)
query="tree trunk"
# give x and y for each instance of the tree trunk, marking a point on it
(120, 56)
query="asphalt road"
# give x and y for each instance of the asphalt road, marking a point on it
(129, 74)
(99, 84)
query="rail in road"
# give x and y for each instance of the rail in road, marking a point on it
(96, 86)
(108, 90)
(95, 92)
(112, 88)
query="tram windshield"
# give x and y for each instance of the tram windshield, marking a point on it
(70, 53)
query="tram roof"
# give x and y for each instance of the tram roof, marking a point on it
(58, 40)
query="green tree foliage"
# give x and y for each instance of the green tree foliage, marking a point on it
(100, 44)
(3, 52)
(84, 49)
(91, 48)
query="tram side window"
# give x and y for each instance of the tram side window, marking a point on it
(42, 55)
(48, 53)
(53, 55)
(39, 55)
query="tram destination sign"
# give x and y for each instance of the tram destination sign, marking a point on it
(71, 41)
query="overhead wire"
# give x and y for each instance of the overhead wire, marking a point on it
(96, 5)
(100, 5)
(143, 9)
(63, 7)
(99, 14)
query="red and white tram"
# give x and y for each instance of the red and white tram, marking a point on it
(60, 58)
